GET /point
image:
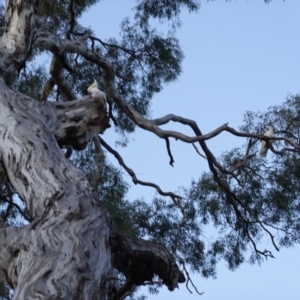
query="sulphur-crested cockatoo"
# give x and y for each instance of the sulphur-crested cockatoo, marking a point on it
(264, 148)
(96, 93)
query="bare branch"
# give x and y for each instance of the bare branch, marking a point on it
(56, 45)
(132, 174)
(188, 277)
(169, 152)
(126, 50)
(265, 253)
(269, 233)
(195, 147)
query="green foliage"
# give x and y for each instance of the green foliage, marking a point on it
(267, 192)
(58, 17)
(31, 81)
(167, 10)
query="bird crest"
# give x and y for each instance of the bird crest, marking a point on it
(93, 85)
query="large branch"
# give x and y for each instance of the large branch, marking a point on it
(78, 121)
(59, 46)
(16, 41)
(72, 123)
(52, 197)
(139, 260)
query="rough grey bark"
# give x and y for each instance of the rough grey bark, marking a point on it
(53, 256)
(16, 41)
(65, 252)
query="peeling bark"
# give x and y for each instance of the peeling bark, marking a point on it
(65, 252)
(15, 43)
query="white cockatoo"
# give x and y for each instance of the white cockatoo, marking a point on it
(264, 148)
(96, 93)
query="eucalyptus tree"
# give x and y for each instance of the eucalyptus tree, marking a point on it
(67, 230)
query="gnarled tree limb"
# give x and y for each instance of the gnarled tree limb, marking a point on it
(139, 260)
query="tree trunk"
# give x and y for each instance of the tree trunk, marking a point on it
(65, 251)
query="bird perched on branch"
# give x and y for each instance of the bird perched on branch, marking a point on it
(96, 93)
(264, 148)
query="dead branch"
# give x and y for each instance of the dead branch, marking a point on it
(57, 45)
(188, 277)
(132, 174)
(169, 152)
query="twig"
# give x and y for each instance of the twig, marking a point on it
(110, 114)
(11, 204)
(126, 50)
(188, 278)
(195, 147)
(169, 152)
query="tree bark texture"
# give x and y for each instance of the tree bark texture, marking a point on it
(65, 253)
(69, 250)
(16, 41)
(52, 256)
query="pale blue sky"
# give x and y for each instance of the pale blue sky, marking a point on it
(240, 55)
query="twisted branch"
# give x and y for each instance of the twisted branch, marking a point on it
(132, 174)
(57, 45)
